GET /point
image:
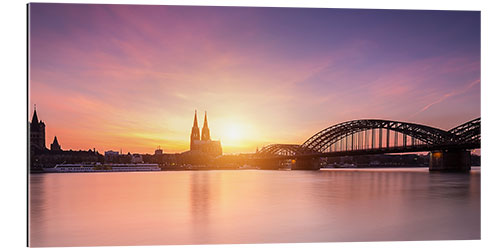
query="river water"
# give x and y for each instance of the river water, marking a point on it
(252, 206)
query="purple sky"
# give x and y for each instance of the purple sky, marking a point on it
(118, 76)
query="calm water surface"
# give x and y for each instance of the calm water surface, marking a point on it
(252, 206)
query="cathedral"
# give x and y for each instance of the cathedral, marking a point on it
(205, 144)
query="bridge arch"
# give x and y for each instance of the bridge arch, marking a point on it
(421, 136)
(280, 149)
(321, 141)
(469, 132)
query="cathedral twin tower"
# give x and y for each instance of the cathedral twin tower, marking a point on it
(195, 131)
(205, 145)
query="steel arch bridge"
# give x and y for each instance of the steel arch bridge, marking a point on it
(372, 136)
(469, 132)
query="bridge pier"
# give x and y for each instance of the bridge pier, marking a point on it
(457, 160)
(306, 164)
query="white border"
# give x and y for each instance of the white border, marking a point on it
(13, 98)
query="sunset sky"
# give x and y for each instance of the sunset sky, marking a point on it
(129, 77)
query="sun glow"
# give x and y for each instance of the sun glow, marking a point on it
(236, 134)
(232, 133)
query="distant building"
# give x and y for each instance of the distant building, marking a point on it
(206, 145)
(55, 145)
(158, 151)
(110, 156)
(137, 158)
(111, 153)
(50, 158)
(37, 133)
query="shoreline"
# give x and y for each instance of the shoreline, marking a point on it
(253, 168)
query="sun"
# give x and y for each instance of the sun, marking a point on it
(233, 132)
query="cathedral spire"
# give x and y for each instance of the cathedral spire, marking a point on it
(195, 123)
(205, 123)
(195, 131)
(205, 132)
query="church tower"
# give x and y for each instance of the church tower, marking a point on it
(205, 132)
(55, 145)
(195, 131)
(37, 133)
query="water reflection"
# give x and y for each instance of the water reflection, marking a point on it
(37, 204)
(200, 207)
(202, 185)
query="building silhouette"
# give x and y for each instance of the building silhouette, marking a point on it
(41, 157)
(158, 151)
(205, 145)
(55, 145)
(37, 133)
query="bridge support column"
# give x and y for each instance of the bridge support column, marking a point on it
(457, 160)
(306, 164)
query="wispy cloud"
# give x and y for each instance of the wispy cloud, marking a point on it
(447, 95)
